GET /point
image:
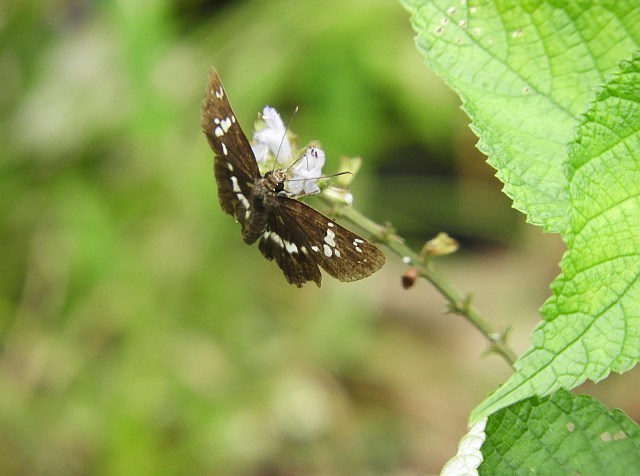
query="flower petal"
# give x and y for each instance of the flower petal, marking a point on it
(274, 135)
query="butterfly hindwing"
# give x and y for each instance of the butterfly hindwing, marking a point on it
(235, 165)
(288, 244)
(300, 239)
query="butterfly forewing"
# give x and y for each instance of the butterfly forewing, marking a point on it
(235, 166)
(300, 239)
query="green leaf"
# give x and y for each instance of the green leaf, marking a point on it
(592, 322)
(560, 434)
(524, 71)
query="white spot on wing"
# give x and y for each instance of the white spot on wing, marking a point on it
(225, 152)
(223, 125)
(329, 239)
(330, 247)
(269, 235)
(277, 240)
(315, 248)
(243, 200)
(234, 184)
(290, 247)
(226, 123)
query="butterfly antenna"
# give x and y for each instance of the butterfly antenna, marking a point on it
(284, 136)
(296, 161)
(322, 176)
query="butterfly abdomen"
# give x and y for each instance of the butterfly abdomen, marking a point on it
(263, 201)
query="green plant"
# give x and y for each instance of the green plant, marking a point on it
(553, 92)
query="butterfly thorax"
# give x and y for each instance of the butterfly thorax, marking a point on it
(264, 200)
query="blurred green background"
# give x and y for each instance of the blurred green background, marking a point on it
(139, 335)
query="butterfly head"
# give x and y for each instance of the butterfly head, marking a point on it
(275, 181)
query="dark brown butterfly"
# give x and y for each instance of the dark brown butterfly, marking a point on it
(298, 237)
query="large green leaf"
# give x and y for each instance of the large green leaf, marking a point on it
(524, 71)
(592, 322)
(560, 434)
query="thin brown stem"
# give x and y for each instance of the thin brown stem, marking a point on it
(457, 303)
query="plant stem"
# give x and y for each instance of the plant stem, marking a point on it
(457, 303)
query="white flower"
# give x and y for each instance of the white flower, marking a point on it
(340, 195)
(260, 151)
(272, 138)
(308, 167)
